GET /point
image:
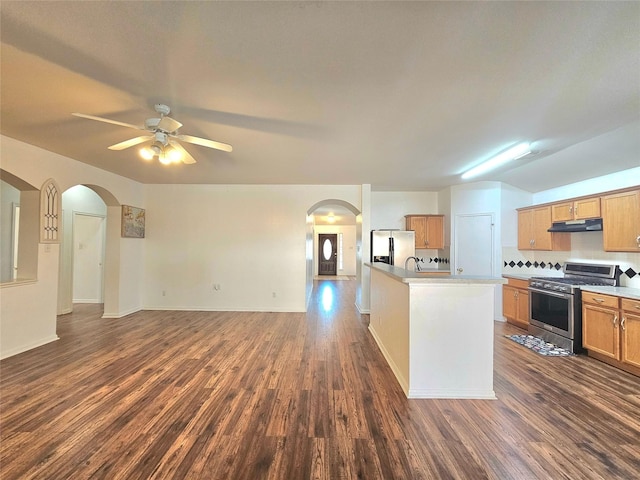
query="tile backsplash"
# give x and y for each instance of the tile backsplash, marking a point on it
(585, 247)
(437, 259)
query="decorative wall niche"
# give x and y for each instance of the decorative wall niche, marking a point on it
(50, 200)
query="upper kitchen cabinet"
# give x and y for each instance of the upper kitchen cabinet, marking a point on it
(533, 224)
(429, 230)
(621, 221)
(576, 210)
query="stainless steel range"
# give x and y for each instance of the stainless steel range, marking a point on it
(555, 304)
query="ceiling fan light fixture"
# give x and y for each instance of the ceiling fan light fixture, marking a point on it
(156, 149)
(147, 153)
(164, 135)
(173, 154)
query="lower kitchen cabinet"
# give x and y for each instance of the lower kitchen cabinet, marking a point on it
(611, 330)
(630, 326)
(515, 302)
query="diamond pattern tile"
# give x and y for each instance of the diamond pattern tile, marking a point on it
(629, 272)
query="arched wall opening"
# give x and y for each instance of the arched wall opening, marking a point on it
(90, 205)
(341, 217)
(19, 229)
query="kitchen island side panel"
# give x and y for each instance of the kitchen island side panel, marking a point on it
(451, 341)
(389, 323)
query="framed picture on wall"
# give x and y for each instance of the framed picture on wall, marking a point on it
(132, 222)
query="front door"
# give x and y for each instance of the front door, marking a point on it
(327, 254)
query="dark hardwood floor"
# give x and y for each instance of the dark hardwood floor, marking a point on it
(206, 395)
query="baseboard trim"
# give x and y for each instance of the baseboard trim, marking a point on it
(30, 346)
(404, 384)
(121, 314)
(228, 309)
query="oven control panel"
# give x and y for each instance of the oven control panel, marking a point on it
(550, 286)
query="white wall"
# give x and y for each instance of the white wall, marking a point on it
(389, 208)
(28, 310)
(26, 323)
(363, 247)
(511, 199)
(444, 208)
(614, 181)
(251, 240)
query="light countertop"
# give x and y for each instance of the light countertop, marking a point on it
(409, 276)
(626, 292)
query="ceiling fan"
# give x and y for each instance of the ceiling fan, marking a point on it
(163, 133)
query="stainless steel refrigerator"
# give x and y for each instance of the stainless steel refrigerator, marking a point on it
(392, 246)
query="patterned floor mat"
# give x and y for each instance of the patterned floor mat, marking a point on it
(540, 346)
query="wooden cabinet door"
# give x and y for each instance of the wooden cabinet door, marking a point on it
(576, 210)
(509, 302)
(586, 208)
(600, 332)
(435, 231)
(429, 230)
(522, 315)
(562, 212)
(630, 339)
(621, 222)
(541, 223)
(525, 232)
(419, 225)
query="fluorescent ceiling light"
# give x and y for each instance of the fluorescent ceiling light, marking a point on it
(513, 153)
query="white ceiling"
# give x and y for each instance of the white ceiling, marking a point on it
(401, 96)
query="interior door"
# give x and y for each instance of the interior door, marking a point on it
(327, 254)
(88, 258)
(473, 252)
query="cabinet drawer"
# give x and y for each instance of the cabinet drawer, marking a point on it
(630, 305)
(600, 299)
(517, 283)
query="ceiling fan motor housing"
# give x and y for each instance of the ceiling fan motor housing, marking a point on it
(151, 123)
(162, 109)
(162, 138)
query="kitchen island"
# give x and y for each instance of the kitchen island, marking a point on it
(436, 332)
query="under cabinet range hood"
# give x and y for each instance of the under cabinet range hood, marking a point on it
(591, 225)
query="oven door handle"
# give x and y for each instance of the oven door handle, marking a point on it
(551, 294)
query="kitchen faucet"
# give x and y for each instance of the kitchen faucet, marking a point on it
(415, 259)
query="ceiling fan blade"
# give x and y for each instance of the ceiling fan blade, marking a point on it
(168, 124)
(205, 143)
(106, 120)
(187, 159)
(131, 142)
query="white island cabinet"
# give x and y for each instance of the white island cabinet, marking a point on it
(436, 332)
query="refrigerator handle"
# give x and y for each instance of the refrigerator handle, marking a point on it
(391, 249)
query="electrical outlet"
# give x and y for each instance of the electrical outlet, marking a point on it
(164, 293)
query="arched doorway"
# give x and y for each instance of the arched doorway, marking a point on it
(85, 259)
(339, 218)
